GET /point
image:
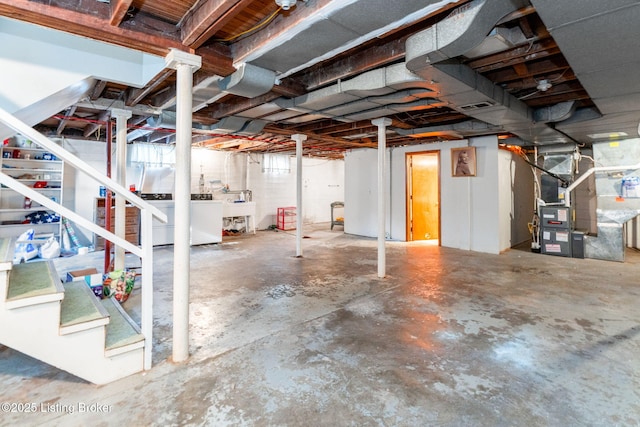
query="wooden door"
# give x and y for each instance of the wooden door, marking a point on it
(423, 196)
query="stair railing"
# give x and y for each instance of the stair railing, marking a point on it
(147, 213)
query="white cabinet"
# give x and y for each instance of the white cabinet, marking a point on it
(40, 170)
(206, 222)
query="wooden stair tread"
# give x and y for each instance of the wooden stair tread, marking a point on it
(80, 305)
(121, 330)
(34, 279)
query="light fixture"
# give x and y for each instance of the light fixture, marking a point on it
(544, 85)
(286, 4)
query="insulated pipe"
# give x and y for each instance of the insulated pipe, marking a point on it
(382, 124)
(299, 138)
(185, 64)
(121, 176)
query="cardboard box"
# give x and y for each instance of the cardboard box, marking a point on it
(91, 277)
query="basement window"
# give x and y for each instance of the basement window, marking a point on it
(276, 164)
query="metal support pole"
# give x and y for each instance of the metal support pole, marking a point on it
(299, 138)
(121, 176)
(382, 124)
(185, 64)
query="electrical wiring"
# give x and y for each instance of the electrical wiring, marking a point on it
(253, 29)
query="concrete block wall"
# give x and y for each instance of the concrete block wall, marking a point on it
(323, 182)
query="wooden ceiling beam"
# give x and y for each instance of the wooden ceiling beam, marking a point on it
(134, 96)
(352, 65)
(202, 22)
(97, 90)
(89, 26)
(279, 26)
(97, 124)
(520, 54)
(119, 10)
(63, 122)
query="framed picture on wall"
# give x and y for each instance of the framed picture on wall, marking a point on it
(463, 161)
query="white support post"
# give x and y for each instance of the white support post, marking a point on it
(146, 312)
(299, 138)
(382, 124)
(185, 64)
(121, 176)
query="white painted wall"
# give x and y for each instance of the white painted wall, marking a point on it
(323, 182)
(361, 192)
(473, 216)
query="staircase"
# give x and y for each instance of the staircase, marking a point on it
(65, 325)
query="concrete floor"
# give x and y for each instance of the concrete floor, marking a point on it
(449, 338)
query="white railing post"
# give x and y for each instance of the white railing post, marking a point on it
(146, 309)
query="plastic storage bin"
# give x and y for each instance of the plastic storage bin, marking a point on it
(286, 218)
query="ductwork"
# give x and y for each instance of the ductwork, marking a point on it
(373, 94)
(248, 81)
(430, 54)
(599, 41)
(457, 130)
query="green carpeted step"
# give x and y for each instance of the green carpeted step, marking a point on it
(33, 283)
(80, 309)
(7, 249)
(122, 332)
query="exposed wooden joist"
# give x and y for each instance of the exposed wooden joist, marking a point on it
(98, 88)
(215, 59)
(280, 25)
(97, 124)
(352, 65)
(537, 50)
(134, 96)
(312, 136)
(89, 26)
(238, 105)
(119, 10)
(63, 123)
(208, 18)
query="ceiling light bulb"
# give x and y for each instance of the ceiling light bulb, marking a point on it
(286, 4)
(544, 85)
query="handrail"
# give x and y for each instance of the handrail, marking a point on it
(67, 213)
(584, 176)
(73, 160)
(147, 213)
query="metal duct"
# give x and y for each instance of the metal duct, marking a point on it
(248, 81)
(429, 54)
(373, 94)
(229, 124)
(617, 198)
(599, 41)
(458, 130)
(166, 119)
